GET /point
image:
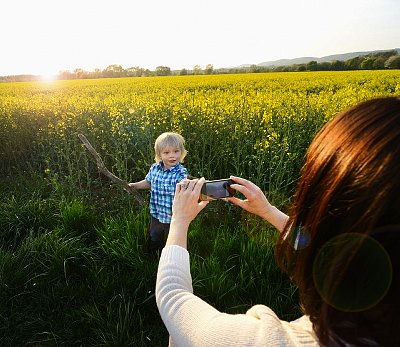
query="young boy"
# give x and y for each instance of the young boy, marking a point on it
(162, 178)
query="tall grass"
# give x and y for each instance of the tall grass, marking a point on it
(82, 281)
(62, 288)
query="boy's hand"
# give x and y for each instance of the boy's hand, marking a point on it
(140, 185)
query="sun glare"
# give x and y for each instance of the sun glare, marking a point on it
(48, 77)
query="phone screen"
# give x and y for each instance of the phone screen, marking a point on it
(217, 189)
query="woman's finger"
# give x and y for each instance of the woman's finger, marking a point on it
(198, 185)
(192, 185)
(240, 188)
(184, 184)
(236, 201)
(241, 181)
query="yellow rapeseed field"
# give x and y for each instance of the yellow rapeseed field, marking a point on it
(254, 125)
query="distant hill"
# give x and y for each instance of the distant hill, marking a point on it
(328, 58)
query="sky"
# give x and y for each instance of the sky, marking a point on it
(47, 36)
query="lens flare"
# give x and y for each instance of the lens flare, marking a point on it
(352, 272)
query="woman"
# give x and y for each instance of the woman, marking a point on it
(339, 245)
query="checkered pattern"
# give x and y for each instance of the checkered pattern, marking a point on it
(163, 183)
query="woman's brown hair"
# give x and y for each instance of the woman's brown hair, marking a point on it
(349, 193)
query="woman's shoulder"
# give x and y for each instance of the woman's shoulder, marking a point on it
(297, 332)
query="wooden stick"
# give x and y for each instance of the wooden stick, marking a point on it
(114, 179)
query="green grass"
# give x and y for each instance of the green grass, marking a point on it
(77, 274)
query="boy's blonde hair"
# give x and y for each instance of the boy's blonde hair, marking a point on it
(169, 139)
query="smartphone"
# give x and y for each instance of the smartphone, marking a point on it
(217, 189)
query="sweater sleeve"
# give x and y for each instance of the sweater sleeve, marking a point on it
(191, 321)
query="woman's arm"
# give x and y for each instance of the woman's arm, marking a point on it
(191, 321)
(185, 208)
(257, 203)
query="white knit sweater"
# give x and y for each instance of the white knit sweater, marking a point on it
(192, 322)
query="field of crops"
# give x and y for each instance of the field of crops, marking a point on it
(72, 269)
(254, 125)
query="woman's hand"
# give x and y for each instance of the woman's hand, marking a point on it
(185, 208)
(257, 203)
(186, 204)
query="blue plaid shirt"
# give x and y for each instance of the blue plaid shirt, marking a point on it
(163, 183)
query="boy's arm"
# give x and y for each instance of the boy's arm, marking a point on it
(140, 185)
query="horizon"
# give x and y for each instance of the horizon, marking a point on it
(44, 76)
(53, 37)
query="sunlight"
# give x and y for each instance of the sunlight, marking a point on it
(48, 77)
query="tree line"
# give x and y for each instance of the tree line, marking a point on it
(373, 61)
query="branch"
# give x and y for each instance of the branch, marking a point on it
(114, 179)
